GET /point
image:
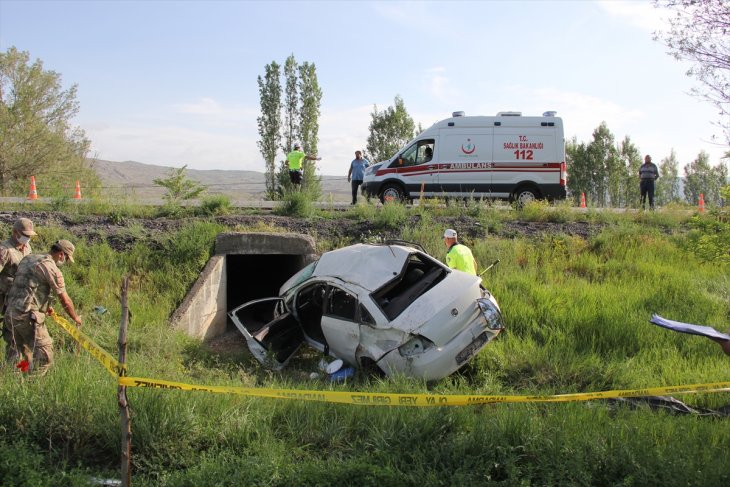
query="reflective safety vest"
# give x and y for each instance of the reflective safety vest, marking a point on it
(29, 292)
(295, 159)
(459, 257)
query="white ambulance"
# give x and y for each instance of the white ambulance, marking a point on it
(503, 157)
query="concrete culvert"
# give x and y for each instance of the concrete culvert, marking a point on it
(245, 266)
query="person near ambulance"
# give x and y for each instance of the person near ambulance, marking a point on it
(295, 159)
(459, 256)
(36, 282)
(357, 173)
(648, 174)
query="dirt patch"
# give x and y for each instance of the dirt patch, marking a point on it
(123, 234)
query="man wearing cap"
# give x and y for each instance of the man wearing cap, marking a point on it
(12, 252)
(459, 256)
(295, 158)
(38, 278)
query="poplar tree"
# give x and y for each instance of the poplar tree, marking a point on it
(701, 178)
(580, 178)
(310, 96)
(269, 123)
(605, 166)
(36, 134)
(667, 186)
(390, 130)
(290, 128)
(630, 162)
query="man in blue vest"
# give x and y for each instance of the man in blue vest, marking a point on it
(459, 256)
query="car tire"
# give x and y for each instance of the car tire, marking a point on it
(393, 192)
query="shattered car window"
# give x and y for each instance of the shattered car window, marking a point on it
(419, 275)
(341, 304)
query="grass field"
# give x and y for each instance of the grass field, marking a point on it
(577, 311)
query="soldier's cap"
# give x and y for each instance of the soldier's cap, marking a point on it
(450, 233)
(67, 248)
(25, 227)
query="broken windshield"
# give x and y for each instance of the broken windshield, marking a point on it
(297, 279)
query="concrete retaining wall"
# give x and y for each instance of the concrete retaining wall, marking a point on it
(203, 312)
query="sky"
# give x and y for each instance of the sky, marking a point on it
(174, 83)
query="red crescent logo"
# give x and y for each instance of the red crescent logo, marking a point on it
(473, 147)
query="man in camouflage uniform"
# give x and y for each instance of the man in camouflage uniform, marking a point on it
(28, 302)
(12, 252)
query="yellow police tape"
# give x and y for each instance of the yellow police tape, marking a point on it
(369, 398)
(110, 363)
(419, 400)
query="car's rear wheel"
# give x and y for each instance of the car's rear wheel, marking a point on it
(392, 192)
(524, 195)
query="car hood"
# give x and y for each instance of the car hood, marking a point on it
(445, 310)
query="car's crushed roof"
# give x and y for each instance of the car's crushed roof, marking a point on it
(369, 266)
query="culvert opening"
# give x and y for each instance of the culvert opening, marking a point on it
(252, 277)
(245, 266)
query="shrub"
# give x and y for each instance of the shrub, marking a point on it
(295, 203)
(215, 205)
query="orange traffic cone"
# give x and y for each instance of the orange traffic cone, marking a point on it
(702, 203)
(582, 200)
(77, 194)
(32, 194)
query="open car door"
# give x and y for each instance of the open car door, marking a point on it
(273, 335)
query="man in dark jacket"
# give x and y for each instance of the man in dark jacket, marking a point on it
(648, 173)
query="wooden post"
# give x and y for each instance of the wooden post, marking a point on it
(126, 422)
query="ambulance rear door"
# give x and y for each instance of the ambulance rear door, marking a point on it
(525, 154)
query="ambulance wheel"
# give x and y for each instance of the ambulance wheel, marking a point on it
(525, 195)
(392, 192)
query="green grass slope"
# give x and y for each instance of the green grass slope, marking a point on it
(577, 311)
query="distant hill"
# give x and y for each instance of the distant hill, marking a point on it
(130, 179)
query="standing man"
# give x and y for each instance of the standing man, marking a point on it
(12, 252)
(28, 302)
(295, 158)
(356, 174)
(648, 173)
(459, 256)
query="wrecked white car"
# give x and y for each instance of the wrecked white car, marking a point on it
(392, 306)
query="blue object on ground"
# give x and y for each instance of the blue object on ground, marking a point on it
(342, 374)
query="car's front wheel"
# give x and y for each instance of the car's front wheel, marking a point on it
(392, 192)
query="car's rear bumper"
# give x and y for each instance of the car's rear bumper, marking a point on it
(438, 362)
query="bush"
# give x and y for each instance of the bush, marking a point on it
(215, 205)
(295, 203)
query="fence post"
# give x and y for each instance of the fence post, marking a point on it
(126, 423)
